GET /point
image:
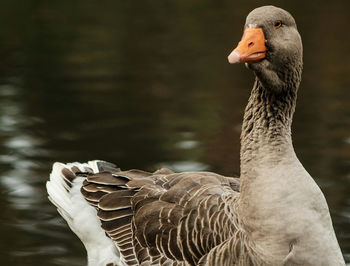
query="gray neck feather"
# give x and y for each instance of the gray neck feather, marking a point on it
(266, 129)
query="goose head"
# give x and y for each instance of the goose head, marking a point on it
(271, 46)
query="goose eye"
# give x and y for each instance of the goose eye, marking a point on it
(277, 24)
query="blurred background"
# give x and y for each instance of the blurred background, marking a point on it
(146, 84)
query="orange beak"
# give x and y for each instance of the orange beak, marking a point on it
(251, 48)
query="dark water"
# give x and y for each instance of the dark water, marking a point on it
(147, 84)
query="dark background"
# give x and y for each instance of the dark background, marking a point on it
(146, 84)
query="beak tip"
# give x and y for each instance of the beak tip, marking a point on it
(234, 57)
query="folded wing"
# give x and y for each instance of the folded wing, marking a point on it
(164, 218)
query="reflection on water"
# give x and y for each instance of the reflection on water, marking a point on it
(147, 85)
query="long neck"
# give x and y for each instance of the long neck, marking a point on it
(266, 129)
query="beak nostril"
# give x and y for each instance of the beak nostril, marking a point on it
(250, 44)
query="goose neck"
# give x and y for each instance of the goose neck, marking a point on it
(266, 129)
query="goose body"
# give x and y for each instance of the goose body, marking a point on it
(274, 214)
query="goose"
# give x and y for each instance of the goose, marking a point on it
(273, 214)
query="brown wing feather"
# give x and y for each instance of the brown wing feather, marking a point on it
(113, 194)
(170, 216)
(162, 218)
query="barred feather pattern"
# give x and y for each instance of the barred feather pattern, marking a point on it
(166, 218)
(237, 249)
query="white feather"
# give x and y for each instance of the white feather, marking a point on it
(80, 216)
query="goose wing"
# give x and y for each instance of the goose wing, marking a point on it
(163, 217)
